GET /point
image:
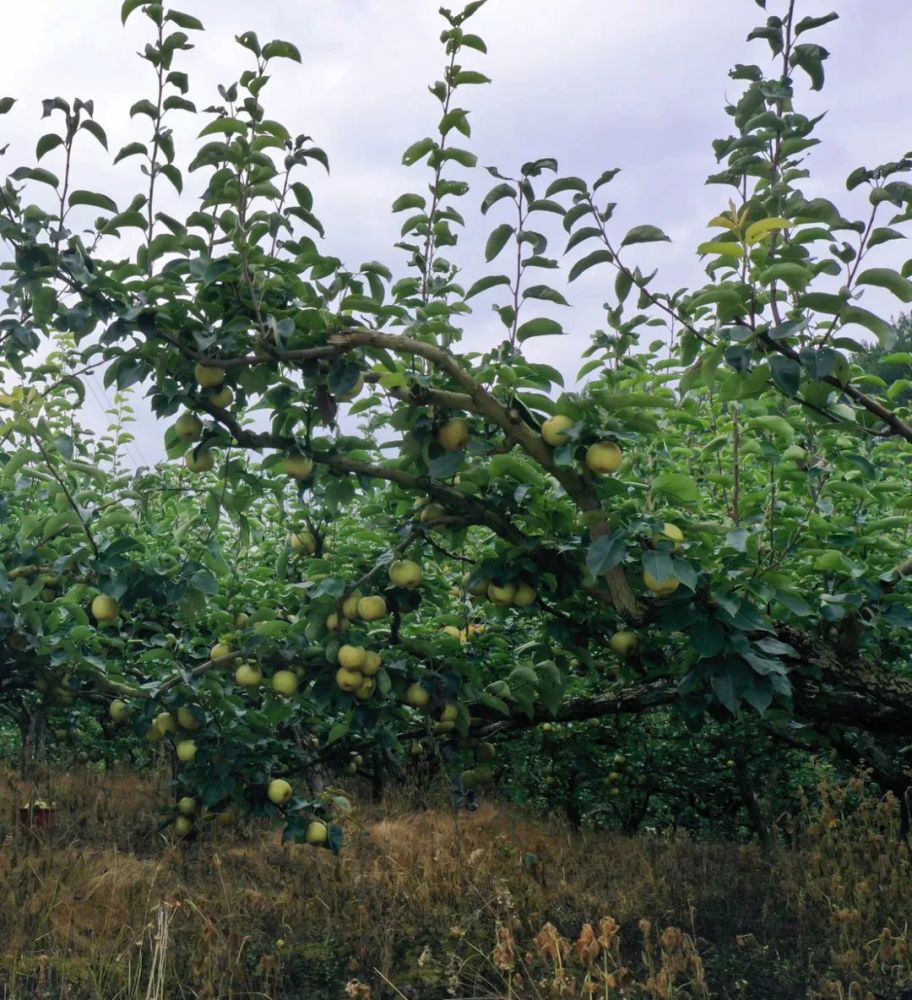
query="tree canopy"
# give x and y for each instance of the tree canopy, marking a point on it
(374, 536)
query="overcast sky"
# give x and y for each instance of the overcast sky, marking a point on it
(636, 84)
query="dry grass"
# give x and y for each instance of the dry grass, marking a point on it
(427, 904)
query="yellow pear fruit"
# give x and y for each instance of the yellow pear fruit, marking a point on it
(453, 435)
(186, 719)
(405, 573)
(502, 594)
(372, 663)
(285, 682)
(365, 689)
(418, 695)
(661, 587)
(451, 630)
(525, 595)
(105, 609)
(298, 467)
(349, 680)
(317, 833)
(209, 377)
(671, 533)
(164, 723)
(302, 541)
(188, 427)
(219, 650)
(449, 713)
(371, 608)
(554, 430)
(187, 806)
(186, 751)
(350, 605)
(203, 461)
(119, 710)
(279, 791)
(183, 826)
(624, 643)
(248, 676)
(222, 399)
(604, 458)
(335, 624)
(351, 657)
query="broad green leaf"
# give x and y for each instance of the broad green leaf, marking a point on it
(603, 256)
(483, 284)
(644, 234)
(725, 249)
(885, 277)
(757, 230)
(93, 199)
(677, 485)
(498, 240)
(541, 327)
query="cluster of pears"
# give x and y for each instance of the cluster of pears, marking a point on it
(369, 609)
(515, 593)
(357, 669)
(188, 426)
(463, 634)
(664, 588)
(188, 809)
(250, 675)
(280, 792)
(603, 457)
(187, 721)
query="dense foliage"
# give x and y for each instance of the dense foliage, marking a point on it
(377, 544)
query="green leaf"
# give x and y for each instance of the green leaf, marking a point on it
(46, 143)
(446, 465)
(131, 149)
(810, 58)
(807, 23)
(407, 201)
(224, 126)
(94, 129)
(566, 184)
(605, 553)
(881, 329)
(833, 561)
(483, 284)
(498, 240)
(603, 256)
(605, 177)
(469, 76)
(6, 104)
(795, 276)
(644, 234)
(546, 294)
(186, 21)
(723, 248)
(883, 234)
(94, 199)
(763, 227)
(128, 7)
(885, 277)
(418, 151)
(35, 174)
(278, 49)
(707, 637)
(778, 426)
(677, 485)
(541, 327)
(496, 193)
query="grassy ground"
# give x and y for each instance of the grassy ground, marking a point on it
(425, 904)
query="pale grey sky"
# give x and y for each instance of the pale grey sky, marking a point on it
(638, 84)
